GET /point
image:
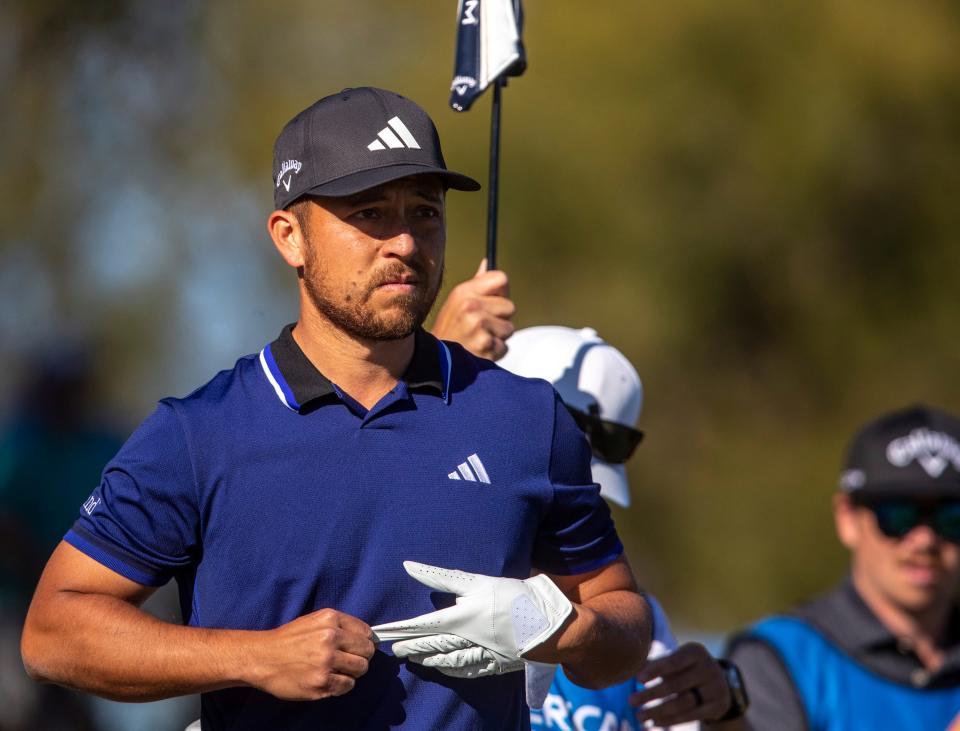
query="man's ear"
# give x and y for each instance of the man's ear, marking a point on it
(846, 520)
(287, 236)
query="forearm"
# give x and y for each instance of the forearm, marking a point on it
(605, 642)
(107, 646)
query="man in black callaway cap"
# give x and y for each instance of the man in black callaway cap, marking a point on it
(330, 482)
(882, 650)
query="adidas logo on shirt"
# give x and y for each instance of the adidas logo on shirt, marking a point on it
(395, 136)
(472, 471)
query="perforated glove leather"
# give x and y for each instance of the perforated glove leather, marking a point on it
(455, 656)
(494, 622)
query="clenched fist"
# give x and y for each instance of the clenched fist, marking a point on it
(315, 656)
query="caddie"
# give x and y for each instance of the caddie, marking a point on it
(882, 649)
(354, 471)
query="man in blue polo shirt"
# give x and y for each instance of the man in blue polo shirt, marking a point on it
(291, 495)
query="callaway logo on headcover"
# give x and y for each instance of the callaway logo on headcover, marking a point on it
(462, 83)
(933, 450)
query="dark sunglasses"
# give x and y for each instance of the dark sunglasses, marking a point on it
(897, 517)
(609, 441)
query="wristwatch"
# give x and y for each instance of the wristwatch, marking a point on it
(738, 691)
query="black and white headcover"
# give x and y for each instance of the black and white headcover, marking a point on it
(489, 45)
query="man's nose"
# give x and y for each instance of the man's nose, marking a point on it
(923, 536)
(400, 240)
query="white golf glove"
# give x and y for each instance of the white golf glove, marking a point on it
(460, 658)
(494, 622)
(453, 656)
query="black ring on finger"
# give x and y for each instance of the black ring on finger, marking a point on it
(697, 697)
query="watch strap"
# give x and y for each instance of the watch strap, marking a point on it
(739, 701)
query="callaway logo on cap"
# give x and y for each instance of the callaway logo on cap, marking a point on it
(355, 140)
(915, 450)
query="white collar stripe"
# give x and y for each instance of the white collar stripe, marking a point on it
(273, 381)
(446, 370)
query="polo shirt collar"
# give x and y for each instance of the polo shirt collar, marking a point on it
(844, 617)
(861, 628)
(297, 382)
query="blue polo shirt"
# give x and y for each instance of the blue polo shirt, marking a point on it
(269, 493)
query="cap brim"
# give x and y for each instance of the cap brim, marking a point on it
(905, 490)
(366, 179)
(612, 479)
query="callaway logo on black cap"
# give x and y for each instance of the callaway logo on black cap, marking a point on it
(916, 450)
(355, 140)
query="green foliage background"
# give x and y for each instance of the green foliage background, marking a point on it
(756, 202)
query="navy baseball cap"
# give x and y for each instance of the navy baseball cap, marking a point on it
(356, 140)
(914, 452)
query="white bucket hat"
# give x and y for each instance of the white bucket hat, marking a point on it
(591, 376)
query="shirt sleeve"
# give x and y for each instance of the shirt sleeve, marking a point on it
(774, 703)
(577, 534)
(142, 521)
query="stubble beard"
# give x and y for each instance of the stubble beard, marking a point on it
(354, 314)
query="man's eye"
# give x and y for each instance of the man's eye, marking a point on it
(428, 212)
(366, 214)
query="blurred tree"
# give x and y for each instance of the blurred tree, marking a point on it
(754, 202)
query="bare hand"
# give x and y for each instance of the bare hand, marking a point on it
(693, 687)
(477, 314)
(315, 656)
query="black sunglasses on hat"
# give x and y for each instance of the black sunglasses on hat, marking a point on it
(609, 441)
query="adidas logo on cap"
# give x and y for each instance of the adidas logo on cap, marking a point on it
(386, 135)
